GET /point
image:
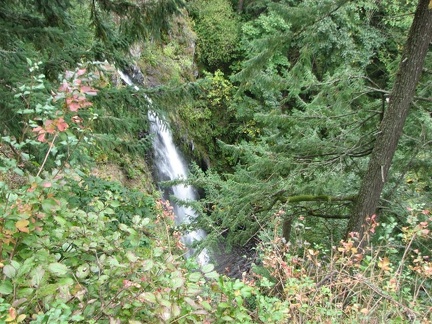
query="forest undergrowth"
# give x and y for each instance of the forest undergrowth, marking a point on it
(77, 248)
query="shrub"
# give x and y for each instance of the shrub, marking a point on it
(379, 283)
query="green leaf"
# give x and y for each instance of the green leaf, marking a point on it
(18, 171)
(246, 291)
(147, 265)
(177, 282)
(58, 269)
(25, 292)
(123, 227)
(109, 211)
(148, 296)
(83, 271)
(131, 256)
(37, 276)
(238, 285)
(92, 216)
(164, 302)
(27, 266)
(195, 277)
(227, 318)
(206, 305)
(89, 311)
(114, 203)
(103, 278)
(6, 287)
(50, 205)
(175, 310)
(193, 289)
(67, 281)
(212, 275)
(26, 111)
(47, 290)
(158, 251)
(207, 267)
(11, 197)
(15, 264)
(136, 219)
(113, 262)
(9, 271)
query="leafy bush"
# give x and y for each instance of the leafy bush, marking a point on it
(377, 283)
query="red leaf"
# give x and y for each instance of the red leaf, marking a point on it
(41, 137)
(74, 106)
(89, 90)
(12, 313)
(61, 124)
(50, 126)
(64, 87)
(40, 132)
(81, 72)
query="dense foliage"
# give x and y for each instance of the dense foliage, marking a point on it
(289, 99)
(311, 93)
(217, 29)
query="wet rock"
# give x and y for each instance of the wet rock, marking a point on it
(135, 74)
(236, 261)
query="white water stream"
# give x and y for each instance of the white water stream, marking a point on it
(171, 166)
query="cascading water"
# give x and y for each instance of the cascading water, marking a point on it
(170, 166)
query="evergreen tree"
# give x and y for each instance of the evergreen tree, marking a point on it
(314, 79)
(410, 70)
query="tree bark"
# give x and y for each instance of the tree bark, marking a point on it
(240, 6)
(410, 68)
(286, 228)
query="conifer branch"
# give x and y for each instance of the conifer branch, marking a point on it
(303, 198)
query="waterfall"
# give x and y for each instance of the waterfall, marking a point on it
(170, 165)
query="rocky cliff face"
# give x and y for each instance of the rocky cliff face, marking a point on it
(171, 60)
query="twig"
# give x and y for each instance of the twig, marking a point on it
(386, 296)
(46, 155)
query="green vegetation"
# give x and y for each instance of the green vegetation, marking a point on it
(217, 29)
(295, 111)
(311, 94)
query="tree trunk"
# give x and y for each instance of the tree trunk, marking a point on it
(240, 6)
(410, 68)
(286, 228)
